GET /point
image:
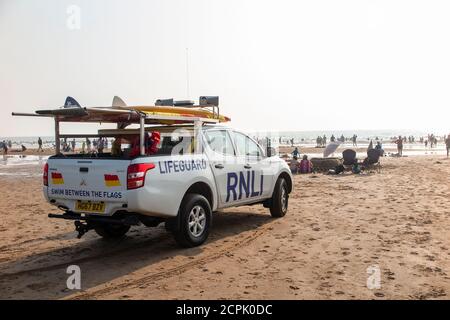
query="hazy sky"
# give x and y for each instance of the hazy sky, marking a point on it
(276, 65)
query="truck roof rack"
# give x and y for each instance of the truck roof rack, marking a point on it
(125, 115)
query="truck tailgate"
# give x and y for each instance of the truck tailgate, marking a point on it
(87, 179)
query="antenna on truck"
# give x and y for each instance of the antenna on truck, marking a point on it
(187, 74)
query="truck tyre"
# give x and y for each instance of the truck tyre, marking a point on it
(194, 221)
(112, 231)
(279, 202)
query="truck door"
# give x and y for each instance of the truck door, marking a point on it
(256, 170)
(223, 162)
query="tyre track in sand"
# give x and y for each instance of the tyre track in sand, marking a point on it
(134, 246)
(239, 242)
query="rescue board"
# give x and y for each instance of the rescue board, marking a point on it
(121, 113)
(178, 111)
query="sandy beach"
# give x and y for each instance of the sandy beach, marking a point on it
(336, 228)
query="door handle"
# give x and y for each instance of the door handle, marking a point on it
(219, 166)
(247, 166)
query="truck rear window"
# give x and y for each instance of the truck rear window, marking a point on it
(127, 146)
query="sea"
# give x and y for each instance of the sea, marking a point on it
(278, 139)
(300, 137)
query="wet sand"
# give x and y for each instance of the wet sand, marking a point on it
(336, 227)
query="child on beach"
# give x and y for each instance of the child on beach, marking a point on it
(295, 153)
(305, 165)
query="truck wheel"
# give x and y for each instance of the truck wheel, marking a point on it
(279, 202)
(112, 231)
(194, 221)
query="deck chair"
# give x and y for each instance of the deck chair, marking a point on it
(349, 158)
(373, 160)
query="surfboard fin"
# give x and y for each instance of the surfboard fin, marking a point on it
(71, 102)
(118, 102)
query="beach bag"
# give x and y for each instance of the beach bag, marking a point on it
(339, 169)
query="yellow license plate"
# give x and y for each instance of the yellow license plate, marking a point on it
(90, 206)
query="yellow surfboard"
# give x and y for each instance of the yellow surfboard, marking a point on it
(179, 111)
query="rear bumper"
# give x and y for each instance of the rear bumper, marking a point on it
(129, 220)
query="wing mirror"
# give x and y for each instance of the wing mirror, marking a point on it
(271, 151)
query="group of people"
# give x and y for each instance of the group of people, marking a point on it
(432, 141)
(321, 141)
(303, 166)
(96, 145)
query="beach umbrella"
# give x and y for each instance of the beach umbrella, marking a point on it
(330, 148)
(370, 146)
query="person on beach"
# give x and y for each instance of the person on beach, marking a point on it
(294, 166)
(379, 147)
(5, 148)
(354, 140)
(305, 165)
(356, 169)
(447, 144)
(40, 145)
(399, 143)
(295, 153)
(319, 141)
(73, 145)
(100, 145)
(88, 144)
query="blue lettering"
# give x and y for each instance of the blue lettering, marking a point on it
(253, 194)
(244, 184)
(231, 186)
(261, 185)
(160, 168)
(169, 165)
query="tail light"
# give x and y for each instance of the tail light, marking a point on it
(136, 174)
(45, 175)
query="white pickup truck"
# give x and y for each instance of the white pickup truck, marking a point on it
(177, 173)
(175, 185)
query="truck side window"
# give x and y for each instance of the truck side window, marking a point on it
(219, 141)
(246, 146)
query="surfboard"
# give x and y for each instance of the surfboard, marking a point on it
(179, 111)
(120, 112)
(170, 110)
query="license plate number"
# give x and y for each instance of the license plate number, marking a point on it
(90, 206)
